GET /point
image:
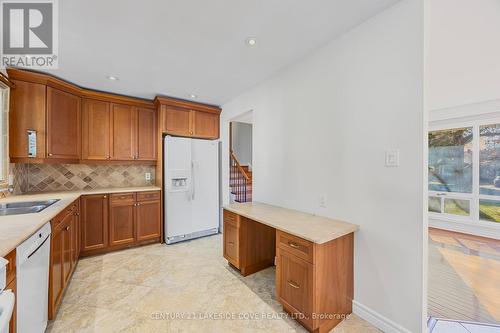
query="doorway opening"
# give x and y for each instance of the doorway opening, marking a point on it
(241, 158)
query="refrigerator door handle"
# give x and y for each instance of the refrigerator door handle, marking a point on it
(193, 189)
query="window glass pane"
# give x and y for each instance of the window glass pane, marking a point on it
(489, 210)
(457, 207)
(489, 159)
(435, 204)
(450, 160)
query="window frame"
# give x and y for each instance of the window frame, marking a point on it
(474, 196)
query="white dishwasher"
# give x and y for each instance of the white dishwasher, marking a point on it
(33, 282)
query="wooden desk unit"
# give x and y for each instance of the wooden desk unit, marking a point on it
(313, 256)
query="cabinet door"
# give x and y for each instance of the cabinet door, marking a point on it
(205, 125)
(294, 282)
(67, 252)
(63, 125)
(56, 283)
(177, 121)
(27, 112)
(94, 222)
(123, 137)
(95, 130)
(121, 219)
(231, 244)
(146, 134)
(148, 219)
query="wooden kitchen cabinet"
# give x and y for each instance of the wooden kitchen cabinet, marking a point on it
(189, 119)
(96, 130)
(11, 284)
(63, 125)
(124, 132)
(63, 254)
(146, 134)
(94, 222)
(148, 215)
(26, 112)
(121, 219)
(134, 219)
(177, 121)
(205, 125)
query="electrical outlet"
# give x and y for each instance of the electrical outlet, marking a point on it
(323, 200)
(147, 175)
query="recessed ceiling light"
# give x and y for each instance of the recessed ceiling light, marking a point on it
(192, 96)
(251, 41)
(112, 78)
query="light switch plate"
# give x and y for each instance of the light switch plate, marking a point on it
(392, 158)
(323, 200)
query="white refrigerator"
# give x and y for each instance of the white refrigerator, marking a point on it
(191, 171)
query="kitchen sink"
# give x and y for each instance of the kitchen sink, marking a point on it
(27, 207)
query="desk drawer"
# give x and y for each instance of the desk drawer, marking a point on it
(300, 247)
(231, 218)
(145, 196)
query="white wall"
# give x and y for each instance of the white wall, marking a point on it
(464, 52)
(242, 142)
(323, 125)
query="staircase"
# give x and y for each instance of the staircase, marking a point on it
(240, 180)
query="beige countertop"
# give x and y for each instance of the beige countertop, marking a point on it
(316, 229)
(14, 229)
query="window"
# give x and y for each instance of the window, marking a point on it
(464, 172)
(4, 121)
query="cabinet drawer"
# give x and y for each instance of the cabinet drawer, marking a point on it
(146, 196)
(230, 217)
(122, 197)
(11, 266)
(298, 246)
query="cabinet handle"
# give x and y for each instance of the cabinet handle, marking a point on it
(108, 157)
(104, 196)
(294, 245)
(293, 284)
(67, 228)
(50, 154)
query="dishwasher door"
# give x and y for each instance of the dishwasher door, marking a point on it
(33, 282)
(7, 300)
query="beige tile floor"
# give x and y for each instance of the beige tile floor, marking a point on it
(147, 289)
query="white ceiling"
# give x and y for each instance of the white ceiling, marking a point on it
(179, 47)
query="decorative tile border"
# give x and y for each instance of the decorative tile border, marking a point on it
(71, 177)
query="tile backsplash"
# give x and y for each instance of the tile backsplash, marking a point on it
(71, 177)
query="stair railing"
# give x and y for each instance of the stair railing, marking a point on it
(238, 179)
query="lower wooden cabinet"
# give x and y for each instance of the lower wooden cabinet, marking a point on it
(147, 219)
(133, 219)
(63, 254)
(12, 285)
(94, 222)
(121, 219)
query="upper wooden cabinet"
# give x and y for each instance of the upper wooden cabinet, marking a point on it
(96, 129)
(63, 125)
(73, 124)
(118, 132)
(188, 119)
(27, 112)
(124, 131)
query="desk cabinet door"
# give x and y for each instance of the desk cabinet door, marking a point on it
(231, 243)
(294, 277)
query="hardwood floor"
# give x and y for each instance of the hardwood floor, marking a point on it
(464, 277)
